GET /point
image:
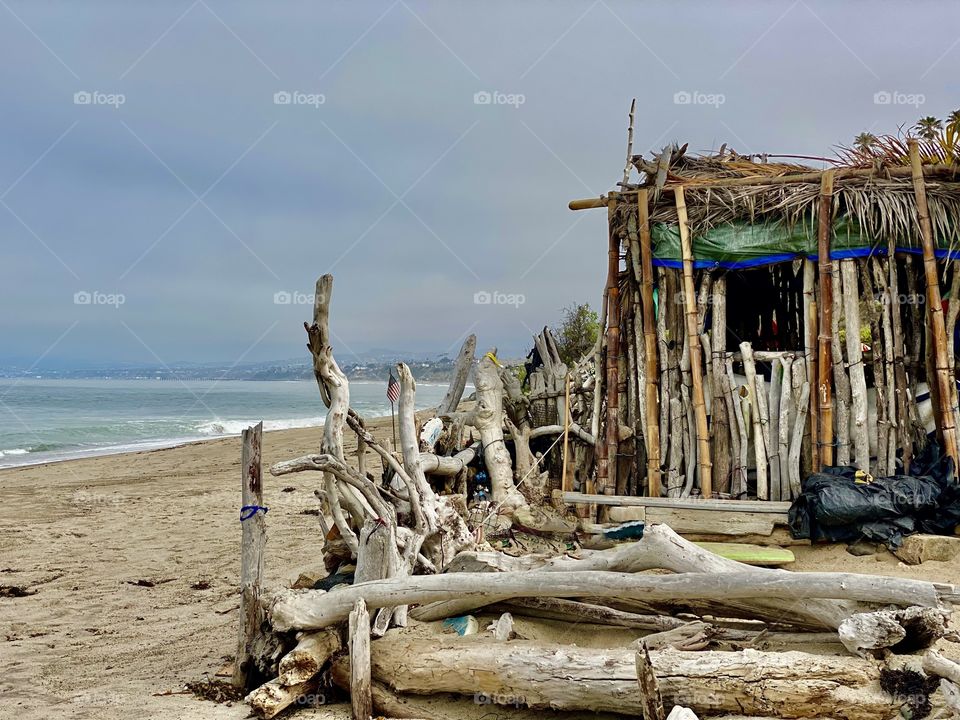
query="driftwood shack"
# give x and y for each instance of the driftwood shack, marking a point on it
(764, 319)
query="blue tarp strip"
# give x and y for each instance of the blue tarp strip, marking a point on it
(787, 257)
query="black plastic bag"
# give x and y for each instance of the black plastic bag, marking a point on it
(842, 504)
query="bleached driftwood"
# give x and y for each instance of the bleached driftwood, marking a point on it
(582, 612)
(313, 609)
(488, 419)
(309, 656)
(359, 629)
(335, 392)
(889, 627)
(252, 544)
(458, 382)
(935, 664)
(272, 697)
(759, 432)
(858, 383)
(789, 684)
(661, 548)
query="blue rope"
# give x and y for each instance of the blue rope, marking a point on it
(248, 511)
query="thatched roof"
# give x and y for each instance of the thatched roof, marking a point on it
(882, 205)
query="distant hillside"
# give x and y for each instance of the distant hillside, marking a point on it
(436, 370)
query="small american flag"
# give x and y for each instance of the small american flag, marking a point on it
(393, 389)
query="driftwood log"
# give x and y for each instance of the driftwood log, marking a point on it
(661, 548)
(458, 382)
(789, 684)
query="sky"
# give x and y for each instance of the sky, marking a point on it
(175, 176)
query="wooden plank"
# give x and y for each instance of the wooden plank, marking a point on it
(757, 506)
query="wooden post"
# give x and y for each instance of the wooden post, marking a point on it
(607, 465)
(824, 362)
(652, 707)
(754, 389)
(360, 695)
(858, 384)
(252, 541)
(566, 481)
(652, 393)
(720, 419)
(696, 364)
(944, 412)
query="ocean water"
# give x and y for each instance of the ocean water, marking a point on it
(47, 420)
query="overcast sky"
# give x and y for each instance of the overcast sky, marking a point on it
(159, 201)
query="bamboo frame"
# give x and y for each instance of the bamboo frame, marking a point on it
(696, 365)
(651, 391)
(944, 415)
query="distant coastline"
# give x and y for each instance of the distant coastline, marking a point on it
(437, 370)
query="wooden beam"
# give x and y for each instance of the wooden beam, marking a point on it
(652, 392)
(944, 413)
(704, 463)
(929, 169)
(825, 337)
(760, 506)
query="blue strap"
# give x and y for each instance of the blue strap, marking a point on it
(248, 511)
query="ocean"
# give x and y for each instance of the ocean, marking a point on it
(48, 420)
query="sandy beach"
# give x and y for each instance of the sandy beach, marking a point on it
(114, 551)
(131, 563)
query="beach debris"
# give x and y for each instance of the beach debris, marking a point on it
(449, 529)
(15, 591)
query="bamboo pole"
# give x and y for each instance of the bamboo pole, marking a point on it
(696, 369)
(607, 465)
(945, 412)
(810, 433)
(824, 364)
(650, 347)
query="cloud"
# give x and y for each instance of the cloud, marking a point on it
(412, 193)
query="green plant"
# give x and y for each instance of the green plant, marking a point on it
(577, 332)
